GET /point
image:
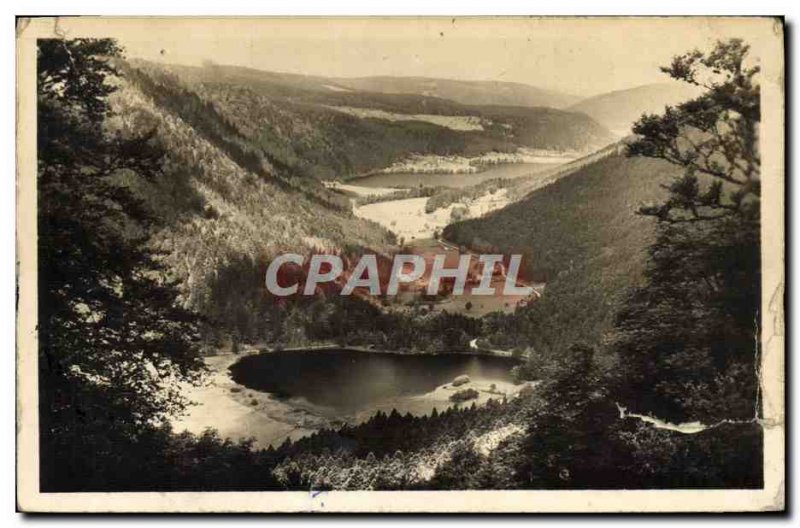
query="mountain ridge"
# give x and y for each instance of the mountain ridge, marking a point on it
(466, 91)
(339, 135)
(619, 109)
(474, 92)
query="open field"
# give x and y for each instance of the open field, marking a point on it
(408, 219)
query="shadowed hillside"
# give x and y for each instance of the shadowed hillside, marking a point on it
(582, 237)
(223, 211)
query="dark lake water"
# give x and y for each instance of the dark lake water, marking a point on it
(414, 179)
(349, 381)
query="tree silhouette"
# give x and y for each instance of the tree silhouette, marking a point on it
(713, 137)
(113, 346)
(688, 339)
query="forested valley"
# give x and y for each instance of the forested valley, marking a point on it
(163, 196)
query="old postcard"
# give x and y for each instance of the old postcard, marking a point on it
(512, 264)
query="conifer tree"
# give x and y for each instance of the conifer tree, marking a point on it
(113, 346)
(688, 339)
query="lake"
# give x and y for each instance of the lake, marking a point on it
(414, 179)
(349, 383)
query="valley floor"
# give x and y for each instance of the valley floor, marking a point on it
(407, 218)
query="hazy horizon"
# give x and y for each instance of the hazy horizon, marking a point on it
(665, 80)
(583, 57)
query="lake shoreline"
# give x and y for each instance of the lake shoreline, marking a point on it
(238, 412)
(355, 348)
(475, 166)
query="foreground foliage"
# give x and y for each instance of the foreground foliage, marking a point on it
(113, 345)
(689, 338)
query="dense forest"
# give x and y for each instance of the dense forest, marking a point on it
(159, 209)
(220, 220)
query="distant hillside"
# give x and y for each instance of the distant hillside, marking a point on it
(582, 237)
(618, 110)
(466, 92)
(222, 209)
(301, 126)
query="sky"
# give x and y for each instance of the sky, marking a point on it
(576, 56)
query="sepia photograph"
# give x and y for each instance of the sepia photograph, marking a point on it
(400, 264)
